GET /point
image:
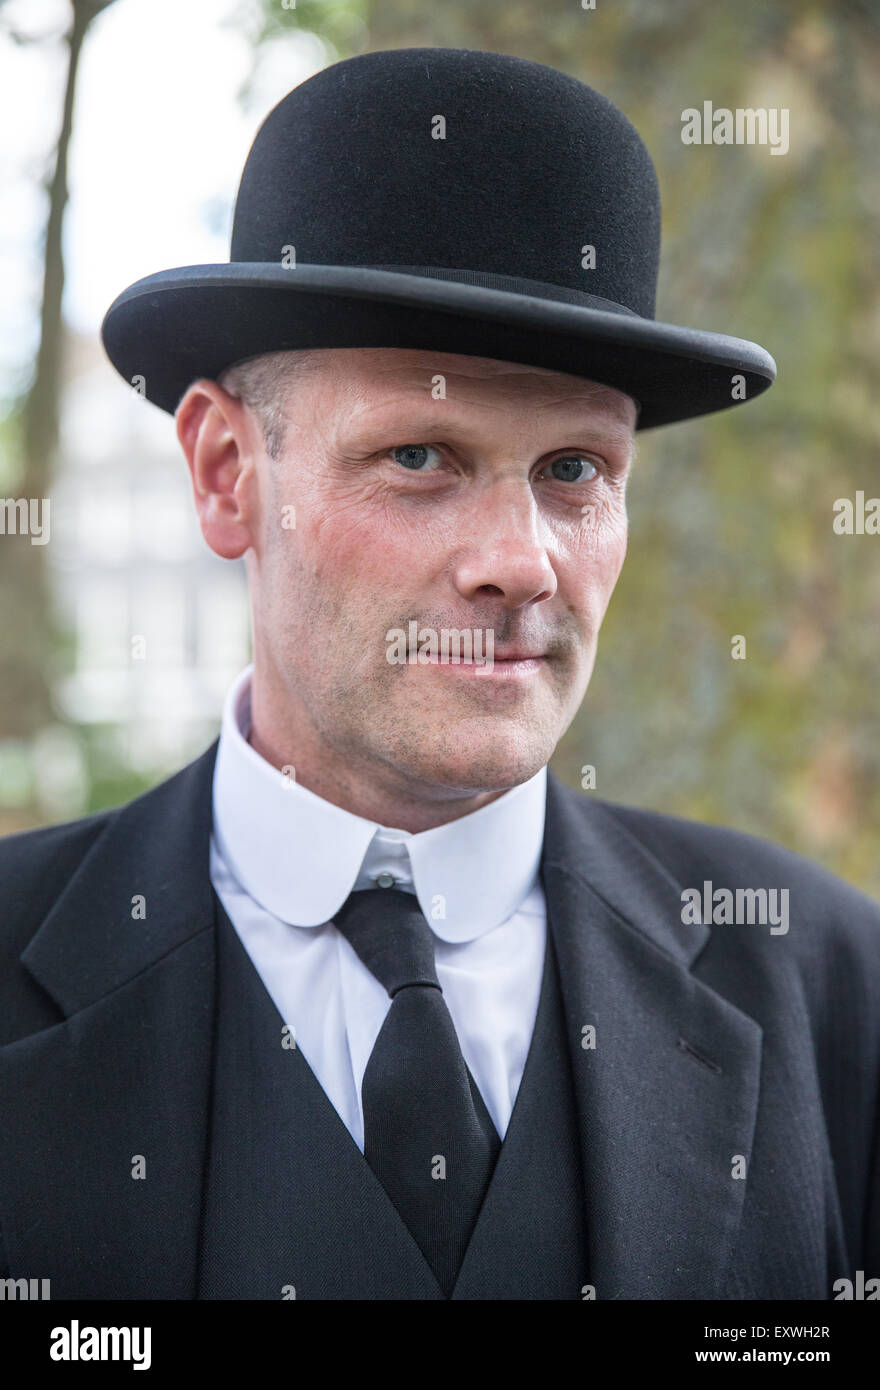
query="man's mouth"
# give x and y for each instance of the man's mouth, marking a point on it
(519, 654)
(470, 652)
(512, 665)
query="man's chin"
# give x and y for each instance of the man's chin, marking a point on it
(475, 769)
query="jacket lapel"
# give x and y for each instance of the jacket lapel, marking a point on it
(529, 1241)
(104, 1143)
(667, 1096)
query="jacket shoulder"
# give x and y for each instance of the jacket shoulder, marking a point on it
(37, 865)
(681, 844)
(834, 918)
(35, 868)
(39, 868)
(689, 852)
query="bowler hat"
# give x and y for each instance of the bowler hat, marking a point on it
(446, 199)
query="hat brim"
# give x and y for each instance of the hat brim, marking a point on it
(167, 329)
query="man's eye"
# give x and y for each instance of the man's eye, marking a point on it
(574, 469)
(417, 457)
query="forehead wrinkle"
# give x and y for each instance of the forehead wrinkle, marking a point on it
(381, 371)
(588, 413)
(474, 370)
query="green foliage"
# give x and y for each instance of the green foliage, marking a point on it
(340, 24)
(731, 517)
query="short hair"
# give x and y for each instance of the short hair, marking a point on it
(262, 383)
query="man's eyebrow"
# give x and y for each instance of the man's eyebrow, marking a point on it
(417, 426)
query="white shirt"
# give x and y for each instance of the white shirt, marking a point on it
(283, 861)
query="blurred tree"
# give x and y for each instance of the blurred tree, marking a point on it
(29, 646)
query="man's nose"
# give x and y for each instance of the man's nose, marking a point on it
(505, 551)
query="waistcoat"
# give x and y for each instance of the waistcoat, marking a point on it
(292, 1209)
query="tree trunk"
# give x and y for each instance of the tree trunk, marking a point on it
(28, 639)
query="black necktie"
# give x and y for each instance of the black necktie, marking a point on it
(427, 1134)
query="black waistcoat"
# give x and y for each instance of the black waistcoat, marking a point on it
(292, 1209)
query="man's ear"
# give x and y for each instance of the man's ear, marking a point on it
(217, 435)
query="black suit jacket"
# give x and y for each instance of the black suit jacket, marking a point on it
(718, 1050)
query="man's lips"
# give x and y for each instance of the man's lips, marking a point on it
(509, 654)
(515, 665)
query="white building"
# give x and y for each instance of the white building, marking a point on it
(160, 624)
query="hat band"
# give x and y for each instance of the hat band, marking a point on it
(513, 284)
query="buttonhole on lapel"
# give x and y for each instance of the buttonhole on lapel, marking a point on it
(692, 1052)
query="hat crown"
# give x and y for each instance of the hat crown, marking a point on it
(458, 160)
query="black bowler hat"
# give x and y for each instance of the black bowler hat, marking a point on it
(440, 198)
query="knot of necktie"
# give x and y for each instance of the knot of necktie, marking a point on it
(388, 931)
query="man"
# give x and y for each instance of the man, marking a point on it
(364, 1003)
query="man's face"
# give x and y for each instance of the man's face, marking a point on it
(506, 514)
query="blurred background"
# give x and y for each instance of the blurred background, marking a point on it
(126, 124)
